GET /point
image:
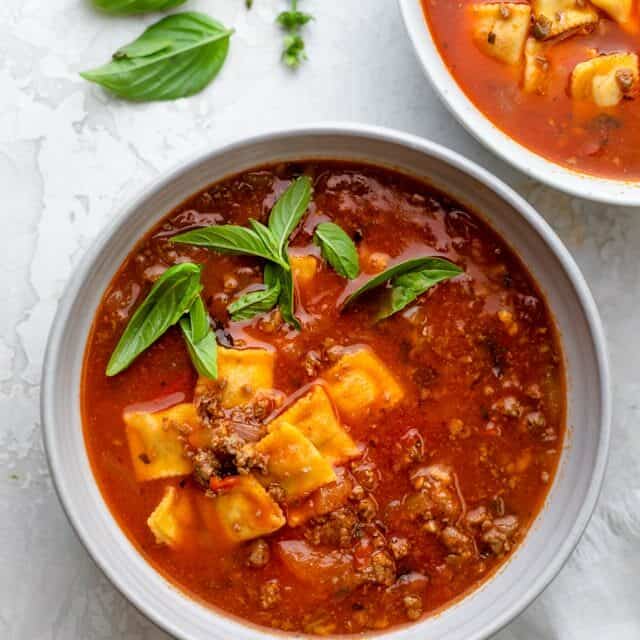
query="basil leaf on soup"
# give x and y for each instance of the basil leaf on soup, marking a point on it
(233, 239)
(170, 297)
(136, 6)
(255, 302)
(288, 211)
(439, 268)
(200, 339)
(174, 58)
(273, 274)
(266, 236)
(407, 287)
(337, 249)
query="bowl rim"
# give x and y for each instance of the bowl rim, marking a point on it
(535, 165)
(350, 130)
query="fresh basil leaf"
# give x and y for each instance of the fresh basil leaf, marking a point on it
(174, 58)
(136, 6)
(338, 249)
(265, 235)
(170, 297)
(200, 339)
(251, 304)
(288, 211)
(273, 274)
(437, 266)
(293, 20)
(407, 287)
(233, 239)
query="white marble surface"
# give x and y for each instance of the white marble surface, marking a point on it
(69, 154)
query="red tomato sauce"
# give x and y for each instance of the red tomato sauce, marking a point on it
(449, 479)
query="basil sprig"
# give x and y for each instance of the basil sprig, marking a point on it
(200, 339)
(169, 299)
(407, 280)
(337, 249)
(176, 57)
(267, 242)
(293, 53)
(128, 7)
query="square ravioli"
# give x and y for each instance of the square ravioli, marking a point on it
(360, 382)
(536, 67)
(313, 414)
(605, 80)
(500, 29)
(553, 17)
(242, 512)
(293, 463)
(241, 374)
(172, 518)
(154, 441)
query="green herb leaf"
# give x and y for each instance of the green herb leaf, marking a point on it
(288, 211)
(293, 20)
(170, 297)
(251, 304)
(136, 6)
(176, 57)
(293, 54)
(407, 287)
(423, 272)
(286, 301)
(338, 249)
(233, 239)
(200, 339)
(266, 236)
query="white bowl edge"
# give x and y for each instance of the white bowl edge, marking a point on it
(475, 617)
(598, 189)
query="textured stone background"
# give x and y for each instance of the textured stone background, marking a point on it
(69, 154)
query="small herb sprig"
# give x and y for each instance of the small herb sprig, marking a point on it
(175, 297)
(268, 242)
(293, 53)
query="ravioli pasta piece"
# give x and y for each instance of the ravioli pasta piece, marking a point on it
(536, 67)
(243, 511)
(553, 17)
(293, 463)
(304, 269)
(605, 80)
(619, 10)
(154, 444)
(241, 374)
(500, 29)
(172, 518)
(360, 382)
(315, 417)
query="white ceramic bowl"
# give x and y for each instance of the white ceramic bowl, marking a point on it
(575, 490)
(534, 165)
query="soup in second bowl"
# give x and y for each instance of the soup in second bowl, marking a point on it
(558, 76)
